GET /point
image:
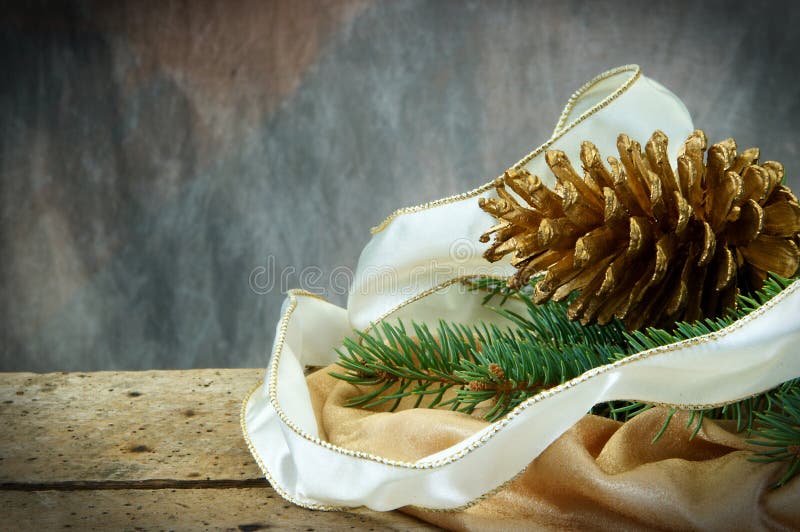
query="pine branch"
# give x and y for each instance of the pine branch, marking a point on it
(547, 321)
(466, 367)
(779, 432)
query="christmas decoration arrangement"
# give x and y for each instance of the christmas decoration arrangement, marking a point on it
(621, 312)
(633, 257)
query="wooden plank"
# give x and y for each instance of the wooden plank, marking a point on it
(181, 509)
(124, 426)
(152, 449)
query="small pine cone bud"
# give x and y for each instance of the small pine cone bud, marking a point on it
(477, 386)
(497, 371)
(643, 241)
(376, 374)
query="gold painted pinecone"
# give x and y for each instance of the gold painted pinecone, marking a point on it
(642, 243)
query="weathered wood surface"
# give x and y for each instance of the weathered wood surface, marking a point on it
(152, 449)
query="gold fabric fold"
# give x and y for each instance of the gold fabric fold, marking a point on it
(599, 475)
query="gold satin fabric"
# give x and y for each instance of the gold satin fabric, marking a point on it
(599, 475)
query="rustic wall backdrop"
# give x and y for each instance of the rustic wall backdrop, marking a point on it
(153, 155)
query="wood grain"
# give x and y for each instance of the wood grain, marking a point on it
(152, 449)
(131, 426)
(245, 509)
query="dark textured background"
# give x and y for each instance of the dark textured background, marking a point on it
(153, 155)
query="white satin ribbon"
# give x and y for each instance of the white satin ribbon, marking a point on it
(410, 270)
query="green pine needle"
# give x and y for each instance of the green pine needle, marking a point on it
(779, 432)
